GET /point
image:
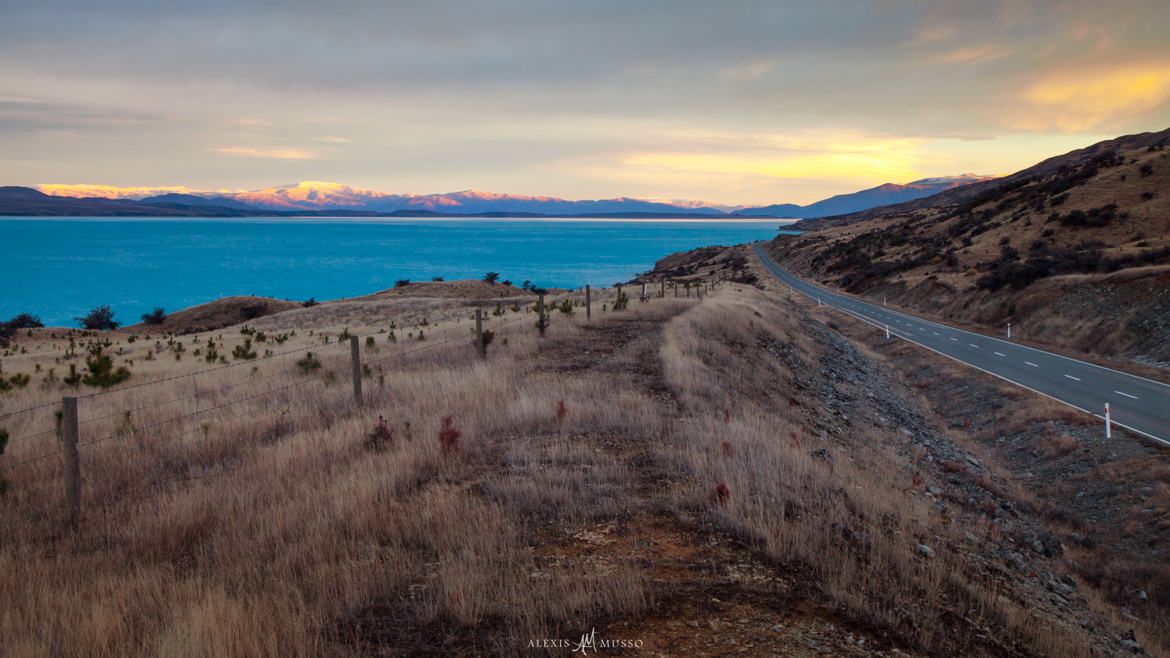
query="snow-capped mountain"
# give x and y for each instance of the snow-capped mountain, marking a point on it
(318, 196)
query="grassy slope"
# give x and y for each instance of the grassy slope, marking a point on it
(585, 494)
(1022, 252)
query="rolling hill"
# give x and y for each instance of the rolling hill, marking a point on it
(882, 195)
(1074, 251)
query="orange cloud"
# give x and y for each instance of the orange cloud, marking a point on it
(1078, 100)
(274, 153)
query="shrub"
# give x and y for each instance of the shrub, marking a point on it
(253, 311)
(561, 410)
(98, 319)
(449, 437)
(719, 495)
(436, 278)
(380, 437)
(401, 283)
(308, 363)
(492, 277)
(157, 316)
(244, 352)
(1146, 170)
(310, 302)
(25, 321)
(102, 373)
(566, 307)
(621, 302)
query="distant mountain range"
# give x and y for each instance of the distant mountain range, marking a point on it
(323, 199)
(882, 195)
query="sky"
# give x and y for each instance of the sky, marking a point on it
(729, 102)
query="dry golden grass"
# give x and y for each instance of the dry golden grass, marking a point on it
(261, 526)
(844, 518)
(267, 525)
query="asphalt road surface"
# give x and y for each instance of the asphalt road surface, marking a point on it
(1139, 404)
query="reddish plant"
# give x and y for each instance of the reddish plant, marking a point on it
(381, 435)
(751, 324)
(561, 410)
(726, 415)
(795, 439)
(449, 437)
(720, 495)
(728, 451)
(917, 479)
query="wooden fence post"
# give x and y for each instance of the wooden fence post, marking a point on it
(588, 304)
(72, 463)
(662, 294)
(540, 308)
(676, 289)
(643, 292)
(618, 300)
(479, 333)
(356, 358)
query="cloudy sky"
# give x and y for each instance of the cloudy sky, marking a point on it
(733, 102)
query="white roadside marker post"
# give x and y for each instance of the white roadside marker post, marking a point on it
(1009, 330)
(887, 331)
(1108, 423)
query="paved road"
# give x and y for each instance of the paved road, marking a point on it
(1136, 403)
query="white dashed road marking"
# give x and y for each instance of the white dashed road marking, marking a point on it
(1000, 354)
(1075, 379)
(1032, 364)
(1132, 397)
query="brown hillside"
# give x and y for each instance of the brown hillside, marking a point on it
(1050, 168)
(217, 315)
(1072, 258)
(466, 289)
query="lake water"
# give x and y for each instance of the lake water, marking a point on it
(59, 268)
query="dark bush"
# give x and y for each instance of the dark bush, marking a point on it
(491, 277)
(253, 311)
(157, 316)
(25, 321)
(98, 319)
(401, 283)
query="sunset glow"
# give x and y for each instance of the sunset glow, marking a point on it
(733, 103)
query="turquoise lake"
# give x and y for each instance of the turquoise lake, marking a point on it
(59, 268)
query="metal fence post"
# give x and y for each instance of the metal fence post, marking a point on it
(72, 463)
(356, 358)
